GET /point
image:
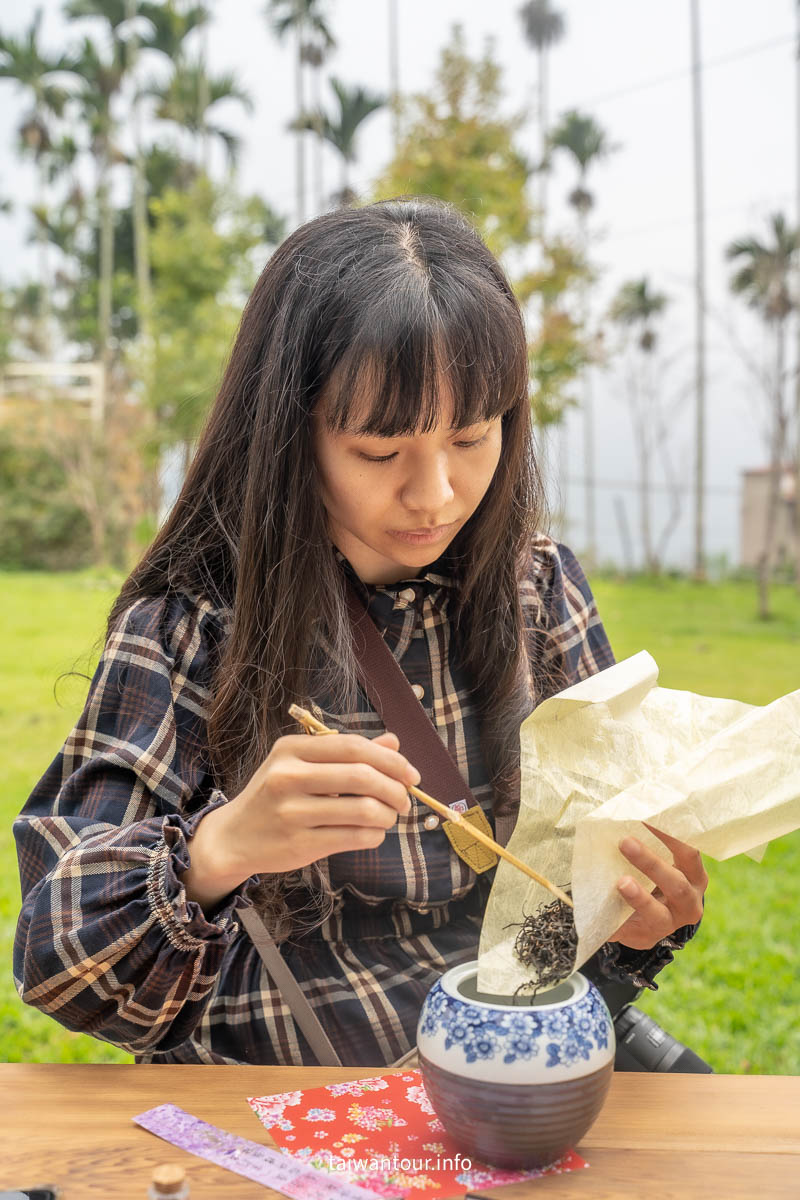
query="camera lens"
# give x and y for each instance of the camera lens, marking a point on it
(642, 1045)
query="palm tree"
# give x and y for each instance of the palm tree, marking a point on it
(23, 61)
(635, 307)
(101, 81)
(355, 105)
(168, 28)
(188, 97)
(586, 142)
(305, 20)
(103, 77)
(763, 280)
(314, 54)
(542, 26)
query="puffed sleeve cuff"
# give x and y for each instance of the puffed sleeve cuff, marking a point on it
(185, 924)
(639, 967)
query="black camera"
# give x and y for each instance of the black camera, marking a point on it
(642, 1045)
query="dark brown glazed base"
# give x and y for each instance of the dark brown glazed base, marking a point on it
(514, 1124)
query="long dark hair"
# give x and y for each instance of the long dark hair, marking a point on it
(374, 302)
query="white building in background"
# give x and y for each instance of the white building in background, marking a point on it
(754, 499)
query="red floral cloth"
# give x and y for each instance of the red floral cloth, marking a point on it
(382, 1132)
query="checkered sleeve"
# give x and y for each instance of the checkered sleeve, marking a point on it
(107, 942)
(577, 631)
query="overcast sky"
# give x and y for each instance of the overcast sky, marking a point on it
(627, 63)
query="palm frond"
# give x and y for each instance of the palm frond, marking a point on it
(766, 268)
(580, 135)
(170, 26)
(542, 24)
(303, 16)
(230, 141)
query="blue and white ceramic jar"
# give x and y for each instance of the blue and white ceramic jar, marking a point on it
(515, 1081)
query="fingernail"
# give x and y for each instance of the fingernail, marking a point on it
(414, 777)
(627, 887)
(630, 845)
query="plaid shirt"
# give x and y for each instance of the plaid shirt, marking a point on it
(107, 942)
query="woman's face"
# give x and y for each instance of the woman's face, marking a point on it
(431, 482)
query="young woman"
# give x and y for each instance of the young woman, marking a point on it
(373, 424)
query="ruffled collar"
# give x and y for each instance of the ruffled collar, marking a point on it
(441, 573)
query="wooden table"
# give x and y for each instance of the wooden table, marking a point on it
(662, 1137)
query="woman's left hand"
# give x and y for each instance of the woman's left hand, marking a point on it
(678, 896)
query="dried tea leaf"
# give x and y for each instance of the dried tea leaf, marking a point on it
(547, 941)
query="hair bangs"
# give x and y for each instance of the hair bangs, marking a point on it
(388, 381)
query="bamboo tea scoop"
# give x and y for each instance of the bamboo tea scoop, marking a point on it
(313, 726)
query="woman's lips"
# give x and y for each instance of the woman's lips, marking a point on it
(421, 538)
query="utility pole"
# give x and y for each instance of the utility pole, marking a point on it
(797, 325)
(394, 72)
(700, 297)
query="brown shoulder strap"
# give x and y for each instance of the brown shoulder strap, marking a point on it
(289, 988)
(392, 698)
(293, 995)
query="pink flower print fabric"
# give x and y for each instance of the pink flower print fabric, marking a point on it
(382, 1132)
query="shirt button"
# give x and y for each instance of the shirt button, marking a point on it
(431, 821)
(407, 594)
(418, 690)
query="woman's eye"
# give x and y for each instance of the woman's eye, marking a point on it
(388, 458)
(470, 445)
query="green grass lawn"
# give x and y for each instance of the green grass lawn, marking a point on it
(733, 994)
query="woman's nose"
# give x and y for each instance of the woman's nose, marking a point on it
(428, 488)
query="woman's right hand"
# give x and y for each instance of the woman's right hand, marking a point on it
(311, 797)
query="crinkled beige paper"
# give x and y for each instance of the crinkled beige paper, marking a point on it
(615, 750)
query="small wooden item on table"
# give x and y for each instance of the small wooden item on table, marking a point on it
(169, 1182)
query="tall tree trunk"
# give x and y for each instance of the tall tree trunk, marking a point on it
(638, 405)
(624, 533)
(43, 304)
(797, 320)
(106, 267)
(203, 102)
(775, 467)
(542, 82)
(141, 230)
(394, 72)
(674, 492)
(588, 414)
(141, 251)
(796, 520)
(300, 146)
(316, 104)
(648, 442)
(644, 492)
(700, 298)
